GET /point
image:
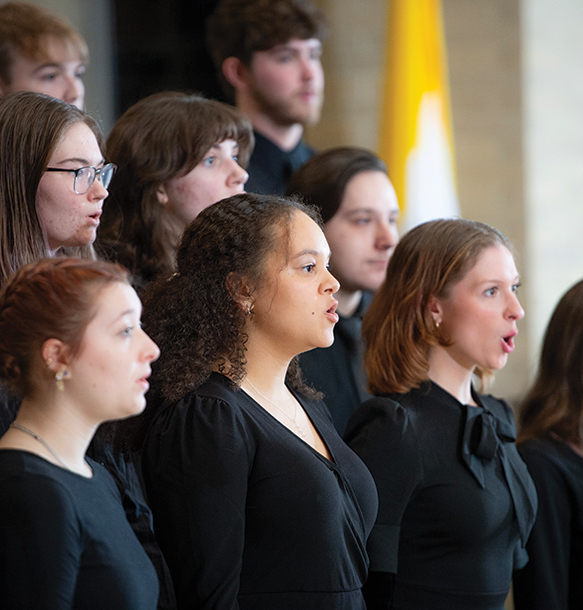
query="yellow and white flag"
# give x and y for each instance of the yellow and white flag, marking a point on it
(416, 135)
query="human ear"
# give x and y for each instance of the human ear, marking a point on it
(435, 310)
(56, 356)
(240, 291)
(162, 195)
(235, 72)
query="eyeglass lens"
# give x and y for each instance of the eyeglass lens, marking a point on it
(85, 177)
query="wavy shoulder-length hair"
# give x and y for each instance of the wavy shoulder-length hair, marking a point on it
(397, 328)
(31, 127)
(195, 315)
(554, 404)
(161, 137)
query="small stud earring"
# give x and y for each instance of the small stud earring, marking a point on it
(436, 325)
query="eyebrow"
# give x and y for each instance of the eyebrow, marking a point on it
(310, 251)
(127, 312)
(85, 162)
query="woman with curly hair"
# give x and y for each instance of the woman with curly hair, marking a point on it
(456, 502)
(257, 501)
(177, 154)
(551, 444)
(71, 345)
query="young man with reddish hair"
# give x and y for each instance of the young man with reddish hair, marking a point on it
(41, 52)
(268, 55)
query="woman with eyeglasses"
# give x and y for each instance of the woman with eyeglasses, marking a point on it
(53, 180)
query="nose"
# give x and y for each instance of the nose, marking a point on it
(97, 192)
(330, 283)
(237, 176)
(387, 236)
(74, 91)
(308, 68)
(151, 351)
(515, 311)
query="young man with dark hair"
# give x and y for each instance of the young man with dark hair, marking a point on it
(268, 54)
(41, 52)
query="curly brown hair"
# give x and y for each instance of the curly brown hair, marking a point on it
(195, 315)
(238, 28)
(397, 328)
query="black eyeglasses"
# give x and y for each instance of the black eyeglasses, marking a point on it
(85, 176)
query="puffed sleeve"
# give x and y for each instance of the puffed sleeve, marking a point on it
(544, 583)
(196, 464)
(382, 434)
(40, 544)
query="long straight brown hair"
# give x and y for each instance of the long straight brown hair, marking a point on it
(31, 127)
(555, 401)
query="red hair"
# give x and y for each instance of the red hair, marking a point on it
(52, 298)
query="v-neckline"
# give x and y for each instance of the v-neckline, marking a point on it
(331, 460)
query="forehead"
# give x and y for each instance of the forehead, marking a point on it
(293, 44)
(78, 141)
(493, 263)
(113, 301)
(305, 234)
(371, 190)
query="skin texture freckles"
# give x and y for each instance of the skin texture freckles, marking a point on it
(70, 219)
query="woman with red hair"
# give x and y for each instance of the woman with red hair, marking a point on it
(72, 346)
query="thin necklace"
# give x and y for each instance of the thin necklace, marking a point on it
(299, 430)
(41, 441)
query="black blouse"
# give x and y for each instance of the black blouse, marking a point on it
(250, 516)
(552, 579)
(65, 541)
(456, 502)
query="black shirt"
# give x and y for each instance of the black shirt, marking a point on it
(338, 370)
(456, 502)
(270, 167)
(250, 516)
(65, 541)
(553, 578)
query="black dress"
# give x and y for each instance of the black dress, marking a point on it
(65, 541)
(250, 516)
(456, 502)
(553, 578)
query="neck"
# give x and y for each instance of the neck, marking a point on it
(267, 368)
(348, 302)
(285, 136)
(60, 427)
(451, 376)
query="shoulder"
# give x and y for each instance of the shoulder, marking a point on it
(497, 406)
(214, 413)
(34, 486)
(544, 455)
(380, 419)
